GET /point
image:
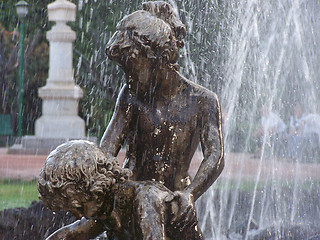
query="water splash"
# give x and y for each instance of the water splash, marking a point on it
(271, 59)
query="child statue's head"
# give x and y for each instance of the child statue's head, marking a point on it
(79, 178)
(155, 32)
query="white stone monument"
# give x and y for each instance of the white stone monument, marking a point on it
(60, 95)
(59, 121)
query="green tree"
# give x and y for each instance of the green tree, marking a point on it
(36, 60)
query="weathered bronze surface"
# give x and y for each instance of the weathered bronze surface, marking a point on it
(162, 117)
(79, 178)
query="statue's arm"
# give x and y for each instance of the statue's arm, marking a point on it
(79, 230)
(212, 148)
(117, 129)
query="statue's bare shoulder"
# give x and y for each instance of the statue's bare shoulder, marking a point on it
(207, 99)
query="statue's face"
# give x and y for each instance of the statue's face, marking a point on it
(122, 49)
(118, 47)
(88, 209)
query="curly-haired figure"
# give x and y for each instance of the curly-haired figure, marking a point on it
(79, 178)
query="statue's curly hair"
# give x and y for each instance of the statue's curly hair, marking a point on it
(76, 168)
(155, 31)
(165, 12)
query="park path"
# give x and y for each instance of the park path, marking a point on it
(24, 167)
(27, 167)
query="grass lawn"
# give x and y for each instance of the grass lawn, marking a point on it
(17, 193)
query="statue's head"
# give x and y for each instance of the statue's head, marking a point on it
(155, 33)
(79, 178)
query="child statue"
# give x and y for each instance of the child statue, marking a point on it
(78, 177)
(160, 115)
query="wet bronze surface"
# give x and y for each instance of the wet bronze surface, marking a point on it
(79, 178)
(162, 118)
(161, 115)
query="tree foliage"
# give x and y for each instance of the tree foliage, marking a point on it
(36, 61)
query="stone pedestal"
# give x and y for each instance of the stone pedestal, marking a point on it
(59, 121)
(60, 95)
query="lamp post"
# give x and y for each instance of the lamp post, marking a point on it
(22, 11)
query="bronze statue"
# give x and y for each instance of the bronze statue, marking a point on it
(161, 116)
(79, 178)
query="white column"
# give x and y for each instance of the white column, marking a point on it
(60, 95)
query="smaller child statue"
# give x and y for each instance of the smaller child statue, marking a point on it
(78, 177)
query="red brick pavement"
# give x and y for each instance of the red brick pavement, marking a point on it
(27, 167)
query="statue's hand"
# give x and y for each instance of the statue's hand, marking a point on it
(79, 230)
(182, 210)
(64, 232)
